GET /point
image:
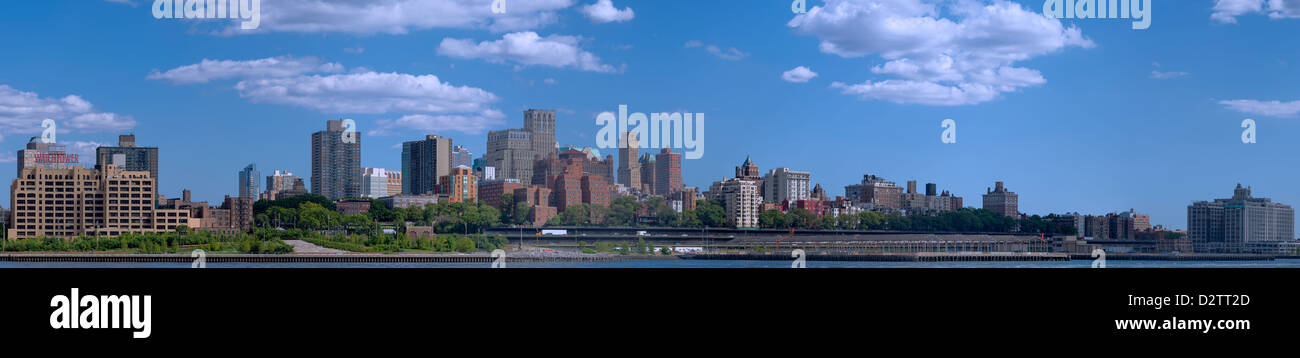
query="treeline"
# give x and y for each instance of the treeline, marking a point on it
(182, 241)
(622, 211)
(310, 215)
(401, 243)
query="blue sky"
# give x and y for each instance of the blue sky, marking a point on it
(1082, 115)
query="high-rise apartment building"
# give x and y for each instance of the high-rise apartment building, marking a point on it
(249, 178)
(423, 162)
(1002, 201)
(741, 201)
(374, 183)
(510, 151)
(336, 162)
(629, 167)
(129, 157)
(668, 172)
(782, 184)
(1236, 223)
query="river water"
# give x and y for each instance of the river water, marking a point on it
(1289, 263)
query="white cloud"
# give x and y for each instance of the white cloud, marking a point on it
(1227, 11)
(369, 92)
(527, 49)
(1264, 108)
(476, 123)
(128, 2)
(210, 70)
(730, 53)
(1167, 75)
(798, 75)
(401, 16)
(965, 58)
(22, 112)
(603, 11)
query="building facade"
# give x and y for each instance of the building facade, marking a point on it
(374, 183)
(129, 157)
(540, 124)
(460, 186)
(336, 162)
(1238, 223)
(783, 184)
(249, 180)
(1002, 201)
(76, 201)
(629, 165)
(668, 172)
(424, 162)
(510, 151)
(741, 201)
(283, 184)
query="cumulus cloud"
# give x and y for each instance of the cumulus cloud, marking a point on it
(22, 112)
(310, 84)
(603, 11)
(401, 16)
(368, 92)
(959, 53)
(1264, 108)
(210, 70)
(799, 74)
(527, 49)
(1227, 11)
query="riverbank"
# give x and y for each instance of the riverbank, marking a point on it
(326, 257)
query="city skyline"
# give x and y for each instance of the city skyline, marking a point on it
(1170, 138)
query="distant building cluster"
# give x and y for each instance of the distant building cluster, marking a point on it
(525, 172)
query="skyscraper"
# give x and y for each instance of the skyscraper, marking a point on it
(629, 168)
(668, 172)
(131, 157)
(540, 124)
(336, 162)
(248, 182)
(423, 162)
(1002, 201)
(510, 151)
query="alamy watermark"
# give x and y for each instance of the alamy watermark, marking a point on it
(660, 130)
(250, 10)
(1138, 10)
